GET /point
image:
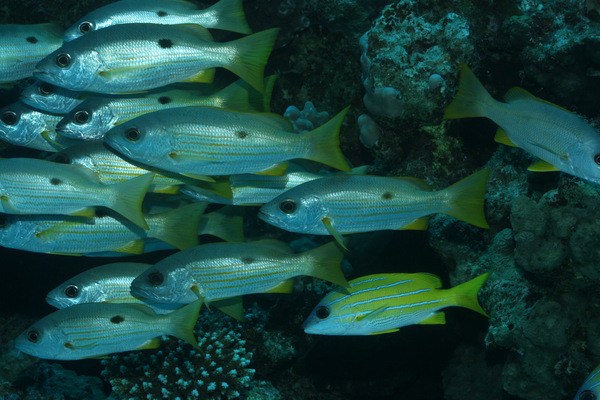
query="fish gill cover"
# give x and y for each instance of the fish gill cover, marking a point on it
(398, 65)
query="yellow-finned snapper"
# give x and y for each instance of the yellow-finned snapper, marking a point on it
(94, 236)
(108, 283)
(31, 186)
(339, 204)
(228, 270)
(384, 303)
(560, 139)
(590, 388)
(97, 329)
(21, 125)
(138, 57)
(94, 117)
(226, 15)
(49, 98)
(200, 141)
(23, 46)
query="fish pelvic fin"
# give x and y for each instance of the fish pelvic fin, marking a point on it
(180, 227)
(226, 223)
(471, 100)
(326, 143)
(129, 197)
(181, 322)
(231, 16)
(465, 294)
(325, 263)
(252, 54)
(466, 198)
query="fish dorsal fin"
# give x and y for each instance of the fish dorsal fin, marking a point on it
(502, 137)
(275, 120)
(275, 170)
(517, 93)
(417, 183)
(231, 306)
(429, 280)
(542, 166)
(286, 286)
(276, 245)
(336, 235)
(197, 30)
(438, 318)
(419, 224)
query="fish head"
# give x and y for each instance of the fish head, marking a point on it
(590, 389)
(90, 120)
(295, 211)
(584, 157)
(44, 339)
(15, 231)
(73, 66)
(45, 96)
(20, 125)
(164, 284)
(76, 291)
(142, 140)
(332, 316)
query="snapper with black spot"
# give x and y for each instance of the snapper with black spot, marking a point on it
(138, 57)
(31, 186)
(98, 329)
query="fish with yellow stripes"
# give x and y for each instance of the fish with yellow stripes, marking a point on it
(205, 141)
(23, 46)
(228, 270)
(31, 186)
(108, 283)
(137, 57)
(560, 139)
(97, 329)
(340, 204)
(383, 303)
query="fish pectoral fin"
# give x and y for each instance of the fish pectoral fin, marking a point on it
(133, 247)
(387, 331)
(286, 286)
(542, 166)
(438, 318)
(275, 170)
(196, 290)
(502, 137)
(419, 224)
(150, 344)
(371, 314)
(7, 205)
(71, 346)
(336, 235)
(52, 142)
(232, 306)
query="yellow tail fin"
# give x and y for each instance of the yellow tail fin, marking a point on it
(252, 54)
(471, 100)
(324, 263)
(182, 321)
(231, 16)
(466, 199)
(326, 143)
(226, 223)
(465, 294)
(128, 198)
(179, 227)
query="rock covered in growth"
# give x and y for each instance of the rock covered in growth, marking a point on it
(177, 371)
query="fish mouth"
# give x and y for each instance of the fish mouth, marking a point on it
(48, 77)
(269, 218)
(56, 303)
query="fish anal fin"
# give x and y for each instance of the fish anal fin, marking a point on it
(286, 286)
(232, 306)
(542, 166)
(275, 170)
(204, 76)
(133, 247)
(438, 318)
(85, 212)
(386, 331)
(419, 224)
(149, 344)
(502, 137)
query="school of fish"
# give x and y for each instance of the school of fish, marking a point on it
(139, 144)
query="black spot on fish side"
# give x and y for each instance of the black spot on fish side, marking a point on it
(241, 134)
(117, 319)
(55, 181)
(165, 43)
(32, 39)
(164, 100)
(161, 13)
(387, 196)
(247, 260)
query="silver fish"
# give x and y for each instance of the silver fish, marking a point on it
(49, 98)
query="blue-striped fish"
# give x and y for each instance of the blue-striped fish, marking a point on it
(384, 303)
(108, 283)
(226, 14)
(137, 57)
(340, 204)
(200, 141)
(31, 186)
(49, 98)
(97, 329)
(23, 46)
(590, 388)
(227, 270)
(561, 140)
(68, 235)
(94, 117)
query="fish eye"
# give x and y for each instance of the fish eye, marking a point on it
(62, 158)
(45, 89)
(288, 206)
(132, 134)
(63, 60)
(86, 27)
(10, 118)
(71, 291)
(155, 278)
(81, 117)
(587, 395)
(597, 159)
(33, 335)
(322, 312)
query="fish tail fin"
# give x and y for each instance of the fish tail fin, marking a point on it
(326, 143)
(181, 322)
(465, 294)
(226, 223)
(180, 226)
(471, 100)
(466, 198)
(324, 262)
(240, 96)
(252, 54)
(231, 16)
(129, 197)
